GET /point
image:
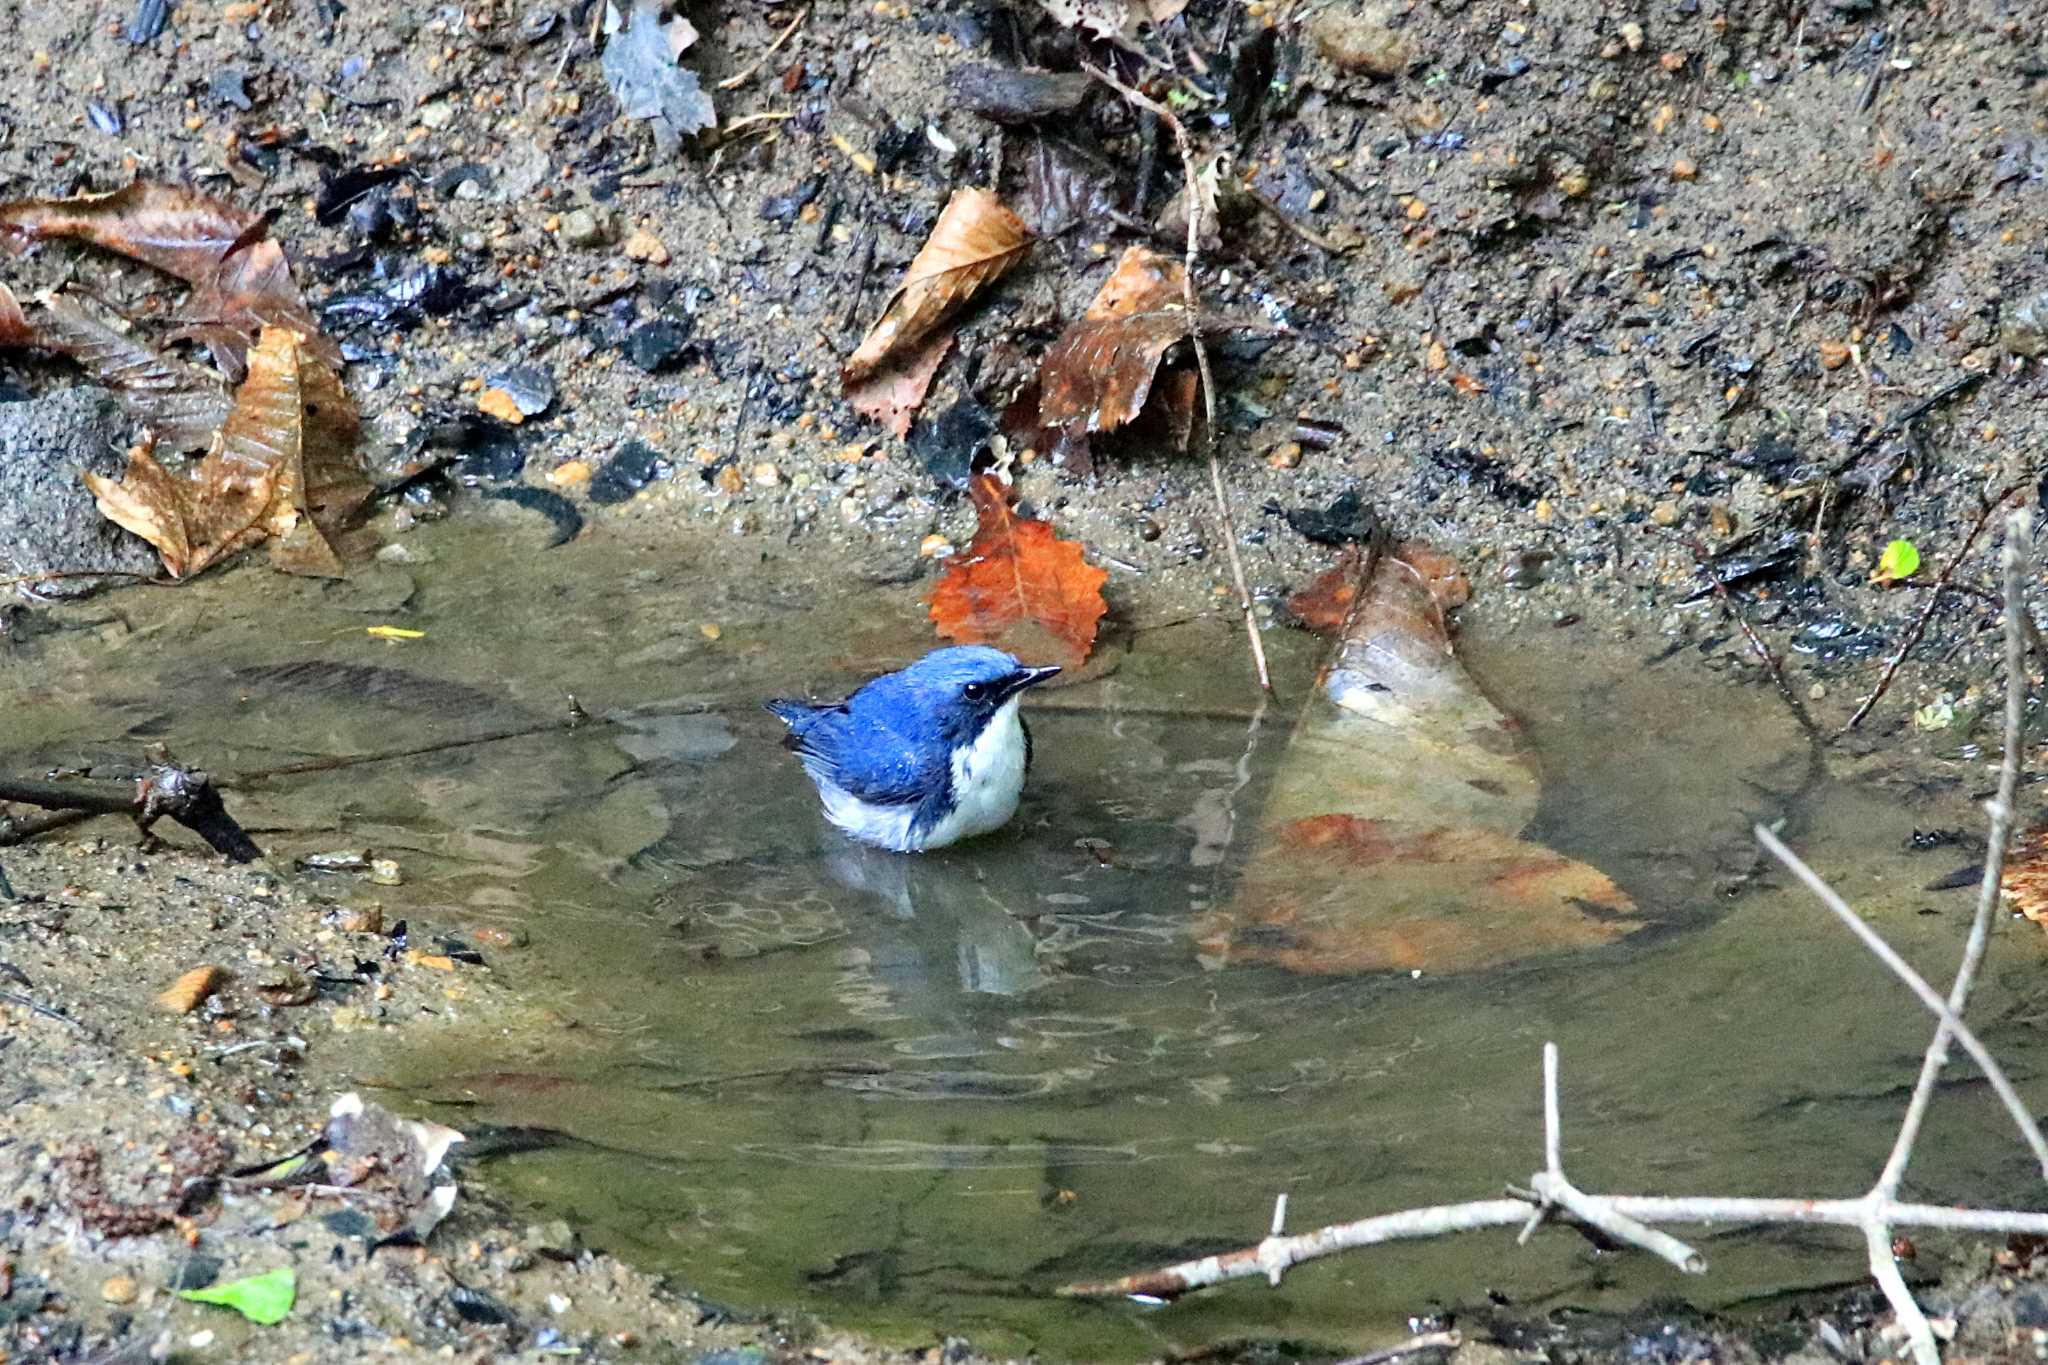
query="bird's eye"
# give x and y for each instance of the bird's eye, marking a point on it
(974, 691)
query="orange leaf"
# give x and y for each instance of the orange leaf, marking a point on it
(975, 241)
(1019, 585)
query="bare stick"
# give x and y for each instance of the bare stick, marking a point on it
(1885, 953)
(1438, 1220)
(1428, 1341)
(1187, 283)
(2013, 560)
(1919, 626)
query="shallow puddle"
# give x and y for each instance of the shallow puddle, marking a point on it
(916, 1094)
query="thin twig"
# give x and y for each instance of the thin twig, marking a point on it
(2013, 559)
(1915, 982)
(1187, 281)
(1919, 626)
(735, 82)
(1428, 1341)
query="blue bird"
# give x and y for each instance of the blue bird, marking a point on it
(924, 757)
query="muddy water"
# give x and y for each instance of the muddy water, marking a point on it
(917, 1093)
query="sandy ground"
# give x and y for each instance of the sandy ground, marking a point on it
(1626, 288)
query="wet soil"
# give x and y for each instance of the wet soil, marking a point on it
(1737, 274)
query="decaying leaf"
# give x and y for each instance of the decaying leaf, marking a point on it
(189, 991)
(283, 468)
(239, 277)
(1097, 376)
(1111, 19)
(182, 405)
(1019, 585)
(367, 1141)
(1392, 834)
(2025, 882)
(975, 241)
(640, 67)
(893, 393)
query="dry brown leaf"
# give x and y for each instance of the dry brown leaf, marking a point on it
(1097, 376)
(283, 468)
(182, 405)
(2025, 881)
(240, 279)
(893, 393)
(1020, 586)
(975, 241)
(15, 330)
(189, 991)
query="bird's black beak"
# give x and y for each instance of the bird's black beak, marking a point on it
(1026, 677)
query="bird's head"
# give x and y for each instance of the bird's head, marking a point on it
(958, 690)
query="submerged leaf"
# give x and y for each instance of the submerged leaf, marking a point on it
(1019, 585)
(264, 1299)
(975, 241)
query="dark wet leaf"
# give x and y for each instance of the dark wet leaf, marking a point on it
(563, 518)
(343, 188)
(950, 445)
(477, 1306)
(1064, 187)
(657, 346)
(1348, 520)
(231, 87)
(1005, 95)
(105, 117)
(147, 22)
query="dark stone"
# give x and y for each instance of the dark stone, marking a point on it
(632, 468)
(656, 346)
(48, 519)
(195, 1270)
(231, 86)
(950, 445)
(1347, 520)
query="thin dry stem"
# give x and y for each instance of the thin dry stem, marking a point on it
(1187, 282)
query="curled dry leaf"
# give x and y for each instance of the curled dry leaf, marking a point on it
(283, 468)
(893, 394)
(1097, 376)
(1019, 585)
(240, 279)
(182, 405)
(189, 991)
(975, 241)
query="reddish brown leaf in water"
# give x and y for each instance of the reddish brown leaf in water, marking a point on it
(1020, 586)
(1325, 604)
(2025, 883)
(283, 468)
(240, 280)
(1344, 894)
(975, 241)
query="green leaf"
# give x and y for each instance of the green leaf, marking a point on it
(1899, 560)
(265, 1298)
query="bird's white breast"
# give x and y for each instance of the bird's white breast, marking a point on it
(988, 777)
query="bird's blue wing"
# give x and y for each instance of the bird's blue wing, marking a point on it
(863, 754)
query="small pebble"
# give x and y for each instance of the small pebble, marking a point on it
(500, 936)
(120, 1289)
(766, 475)
(643, 245)
(585, 228)
(384, 872)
